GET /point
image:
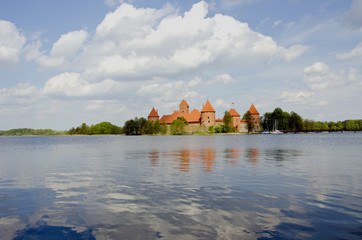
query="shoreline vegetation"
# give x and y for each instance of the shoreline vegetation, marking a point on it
(286, 123)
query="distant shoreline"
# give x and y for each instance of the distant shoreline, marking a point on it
(186, 134)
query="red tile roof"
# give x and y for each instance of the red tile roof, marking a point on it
(207, 107)
(153, 113)
(234, 113)
(253, 110)
(192, 117)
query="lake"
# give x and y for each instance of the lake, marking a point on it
(289, 186)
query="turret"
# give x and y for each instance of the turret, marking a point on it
(255, 116)
(184, 107)
(153, 116)
(208, 115)
(236, 119)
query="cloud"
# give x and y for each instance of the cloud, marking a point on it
(68, 44)
(33, 53)
(296, 96)
(11, 42)
(220, 103)
(66, 47)
(21, 94)
(355, 53)
(353, 17)
(277, 23)
(222, 78)
(143, 43)
(170, 91)
(195, 82)
(318, 76)
(73, 85)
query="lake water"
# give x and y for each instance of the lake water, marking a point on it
(292, 186)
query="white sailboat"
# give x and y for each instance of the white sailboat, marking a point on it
(275, 129)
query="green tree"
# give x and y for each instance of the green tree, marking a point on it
(283, 124)
(307, 125)
(211, 129)
(249, 121)
(156, 127)
(142, 124)
(178, 126)
(131, 127)
(228, 122)
(103, 128)
(83, 129)
(267, 121)
(163, 129)
(219, 128)
(149, 129)
(295, 122)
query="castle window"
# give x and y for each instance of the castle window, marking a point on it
(209, 121)
(208, 117)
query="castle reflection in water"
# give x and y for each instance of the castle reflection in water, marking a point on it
(204, 159)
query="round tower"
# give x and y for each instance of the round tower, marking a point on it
(153, 116)
(208, 115)
(255, 116)
(236, 119)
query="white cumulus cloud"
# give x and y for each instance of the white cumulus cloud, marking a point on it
(66, 47)
(73, 85)
(318, 76)
(296, 96)
(222, 78)
(68, 44)
(22, 93)
(145, 43)
(355, 53)
(11, 42)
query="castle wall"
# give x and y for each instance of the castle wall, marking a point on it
(195, 128)
(243, 127)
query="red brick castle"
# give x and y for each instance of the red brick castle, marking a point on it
(201, 121)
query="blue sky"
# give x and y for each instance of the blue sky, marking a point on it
(63, 63)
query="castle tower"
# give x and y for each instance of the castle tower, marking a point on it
(184, 107)
(236, 119)
(255, 116)
(208, 115)
(153, 116)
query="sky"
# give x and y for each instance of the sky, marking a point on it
(63, 63)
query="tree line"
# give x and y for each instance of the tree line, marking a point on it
(98, 129)
(292, 122)
(278, 119)
(30, 132)
(141, 126)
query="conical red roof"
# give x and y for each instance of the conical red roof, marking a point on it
(253, 110)
(183, 102)
(207, 107)
(234, 113)
(153, 113)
